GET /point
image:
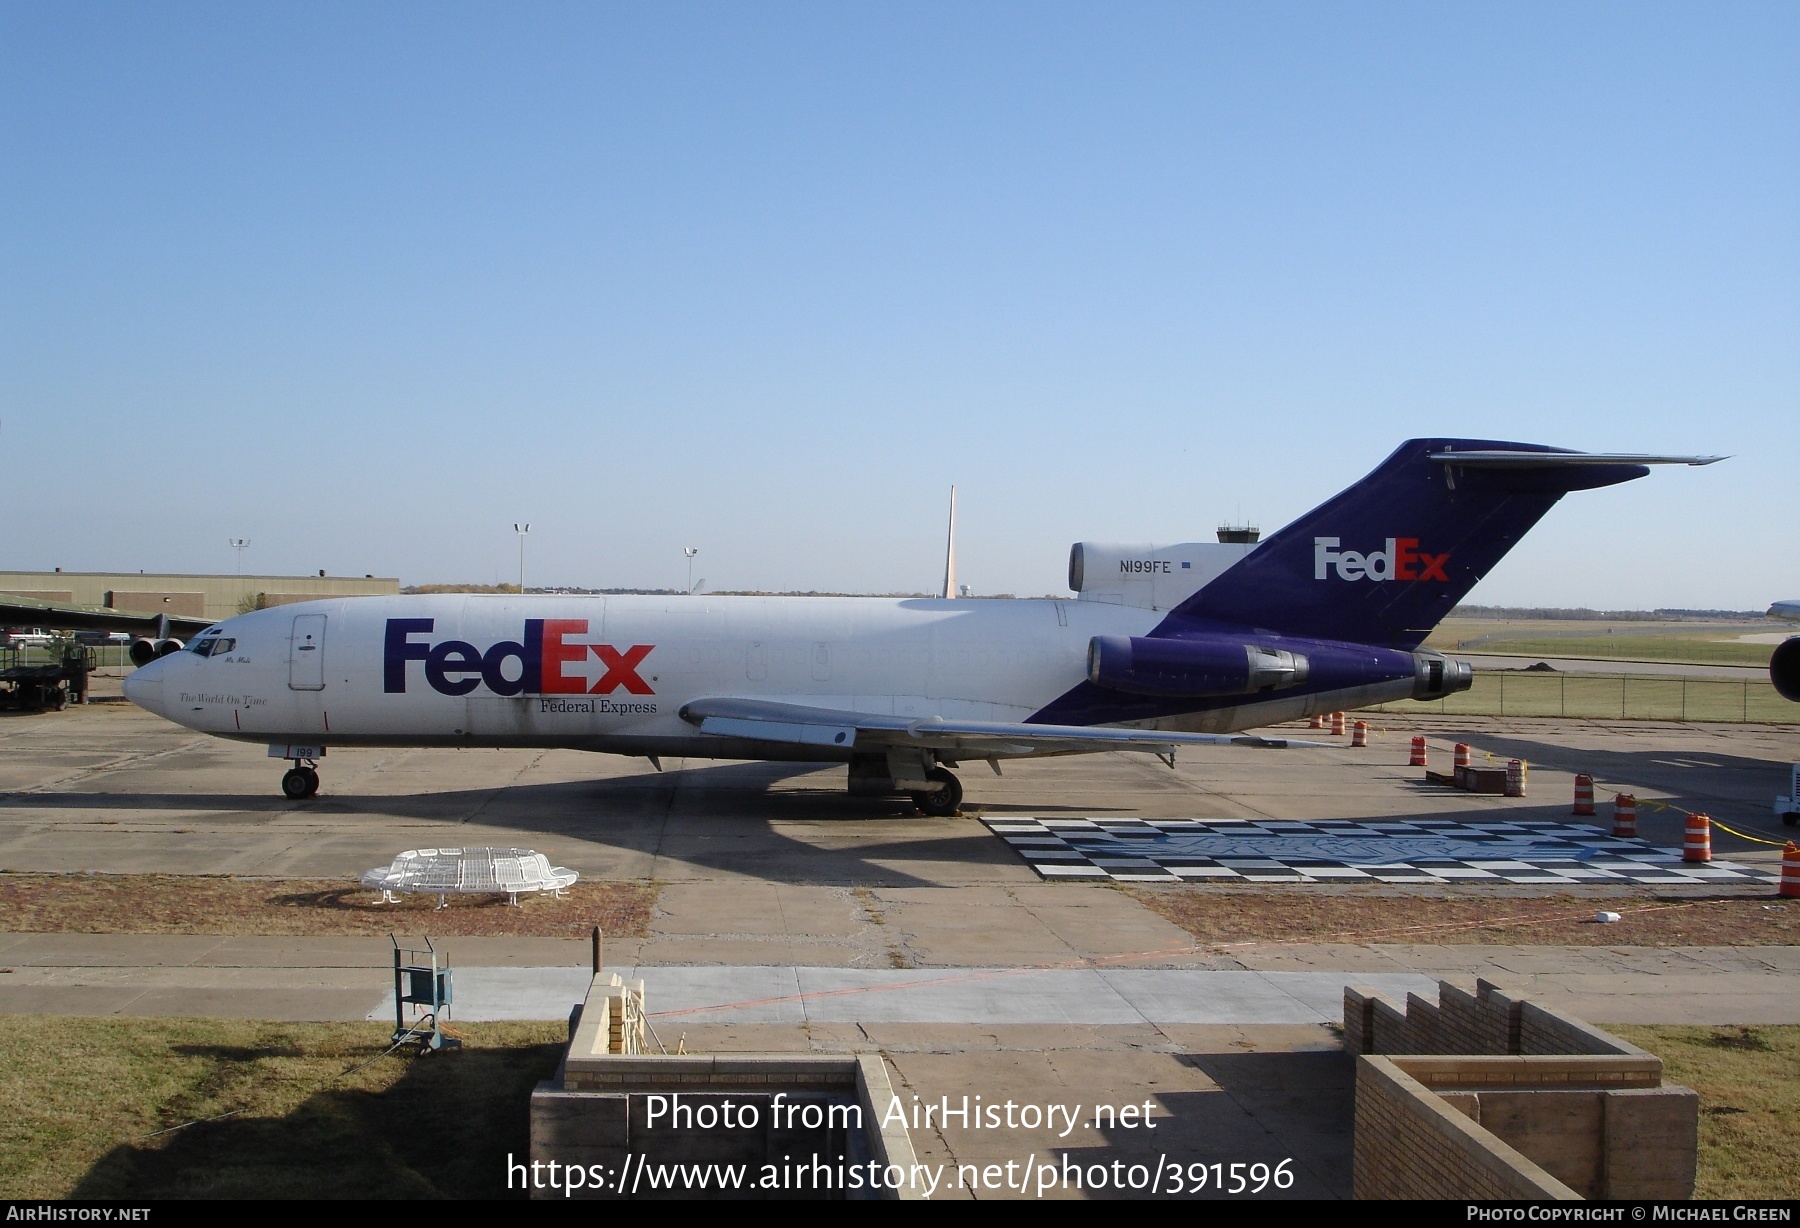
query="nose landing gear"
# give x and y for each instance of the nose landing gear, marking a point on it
(301, 781)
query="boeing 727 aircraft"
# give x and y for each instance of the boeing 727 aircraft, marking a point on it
(1162, 647)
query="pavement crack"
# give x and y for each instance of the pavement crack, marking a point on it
(113, 765)
(512, 783)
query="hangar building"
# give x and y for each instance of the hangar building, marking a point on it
(185, 594)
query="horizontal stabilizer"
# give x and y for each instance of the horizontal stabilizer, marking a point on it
(1495, 458)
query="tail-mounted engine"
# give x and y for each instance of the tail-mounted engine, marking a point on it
(1436, 675)
(1191, 668)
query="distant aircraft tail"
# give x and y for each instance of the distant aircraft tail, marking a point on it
(1384, 561)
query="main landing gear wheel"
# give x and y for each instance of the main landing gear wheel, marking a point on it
(940, 803)
(300, 783)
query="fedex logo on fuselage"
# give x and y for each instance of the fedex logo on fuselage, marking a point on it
(1402, 560)
(456, 667)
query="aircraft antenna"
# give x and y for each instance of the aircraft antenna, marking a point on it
(950, 550)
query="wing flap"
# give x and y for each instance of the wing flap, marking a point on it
(800, 732)
(769, 721)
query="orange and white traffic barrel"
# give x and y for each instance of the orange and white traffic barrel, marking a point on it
(1697, 844)
(1515, 778)
(1317, 721)
(1359, 734)
(1462, 755)
(1337, 724)
(1790, 869)
(1625, 815)
(1418, 752)
(1584, 794)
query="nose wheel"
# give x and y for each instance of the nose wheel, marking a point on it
(939, 803)
(300, 782)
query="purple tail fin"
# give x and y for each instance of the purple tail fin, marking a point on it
(1384, 561)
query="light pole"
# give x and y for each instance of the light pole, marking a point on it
(690, 551)
(521, 530)
(239, 544)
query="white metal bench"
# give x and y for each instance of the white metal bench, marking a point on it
(475, 871)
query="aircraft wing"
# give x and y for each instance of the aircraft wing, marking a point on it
(766, 721)
(25, 612)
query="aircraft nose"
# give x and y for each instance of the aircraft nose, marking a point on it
(144, 687)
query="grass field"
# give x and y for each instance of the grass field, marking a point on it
(1697, 643)
(1262, 913)
(84, 1097)
(1749, 1085)
(218, 904)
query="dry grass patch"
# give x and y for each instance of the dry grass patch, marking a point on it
(196, 904)
(85, 1096)
(1749, 1084)
(1262, 913)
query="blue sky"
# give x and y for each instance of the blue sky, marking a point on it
(368, 283)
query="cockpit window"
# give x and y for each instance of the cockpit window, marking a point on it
(212, 645)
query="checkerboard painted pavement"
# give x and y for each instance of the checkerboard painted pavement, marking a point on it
(1339, 850)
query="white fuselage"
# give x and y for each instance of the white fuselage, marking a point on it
(619, 669)
(987, 660)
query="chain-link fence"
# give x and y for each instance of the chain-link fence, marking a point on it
(112, 658)
(1644, 697)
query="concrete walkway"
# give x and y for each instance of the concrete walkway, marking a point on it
(1252, 983)
(685, 996)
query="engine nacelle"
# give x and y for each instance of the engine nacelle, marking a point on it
(144, 651)
(1784, 669)
(1191, 668)
(1436, 675)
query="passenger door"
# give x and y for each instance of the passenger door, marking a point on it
(306, 656)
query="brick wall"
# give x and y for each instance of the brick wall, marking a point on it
(1359, 1009)
(1477, 1022)
(1486, 1021)
(1540, 1031)
(1487, 1070)
(1410, 1144)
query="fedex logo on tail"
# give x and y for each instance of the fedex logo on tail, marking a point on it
(535, 664)
(1402, 560)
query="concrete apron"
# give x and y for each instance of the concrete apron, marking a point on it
(678, 997)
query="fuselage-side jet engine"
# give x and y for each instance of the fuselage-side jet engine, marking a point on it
(1162, 647)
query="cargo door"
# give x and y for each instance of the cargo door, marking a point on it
(306, 656)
